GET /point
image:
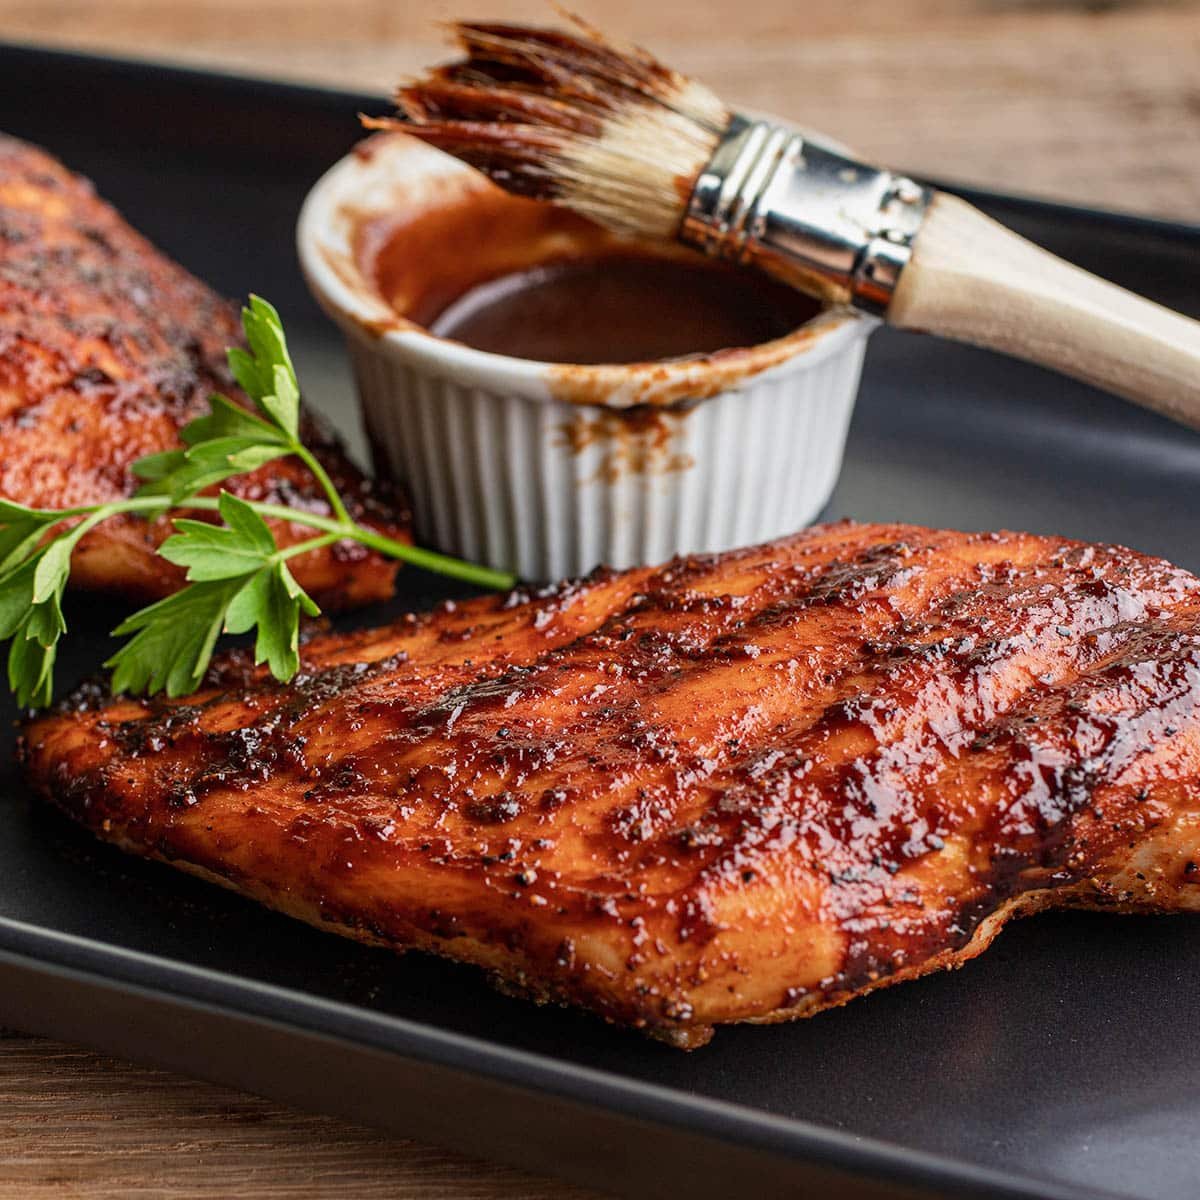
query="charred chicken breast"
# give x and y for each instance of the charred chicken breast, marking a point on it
(745, 787)
(107, 349)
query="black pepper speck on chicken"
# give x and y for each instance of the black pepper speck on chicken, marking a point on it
(744, 787)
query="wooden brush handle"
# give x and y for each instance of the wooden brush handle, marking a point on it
(972, 280)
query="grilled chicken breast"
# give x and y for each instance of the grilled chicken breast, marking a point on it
(107, 349)
(736, 788)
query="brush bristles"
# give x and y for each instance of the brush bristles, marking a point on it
(573, 118)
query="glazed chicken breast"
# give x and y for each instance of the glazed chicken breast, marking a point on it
(107, 349)
(744, 787)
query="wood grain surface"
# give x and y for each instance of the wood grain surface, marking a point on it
(73, 1123)
(1095, 102)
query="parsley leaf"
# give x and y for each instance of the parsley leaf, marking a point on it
(229, 440)
(241, 546)
(21, 529)
(178, 474)
(266, 373)
(272, 601)
(172, 640)
(228, 420)
(31, 670)
(239, 580)
(32, 581)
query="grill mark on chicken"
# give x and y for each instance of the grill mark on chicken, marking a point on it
(741, 787)
(564, 675)
(107, 349)
(867, 817)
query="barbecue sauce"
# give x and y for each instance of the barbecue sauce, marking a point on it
(622, 308)
(506, 275)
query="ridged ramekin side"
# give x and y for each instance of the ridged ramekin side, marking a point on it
(552, 489)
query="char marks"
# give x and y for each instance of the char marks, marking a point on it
(741, 787)
(107, 349)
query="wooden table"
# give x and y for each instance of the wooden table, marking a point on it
(1096, 102)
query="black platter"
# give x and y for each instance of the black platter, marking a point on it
(1063, 1063)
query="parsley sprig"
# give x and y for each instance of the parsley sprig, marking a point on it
(238, 577)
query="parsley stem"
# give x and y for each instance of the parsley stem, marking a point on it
(99, 514)
(311, 461)
(430, 560)
(345, 528)
(418, 556)
(316, 543)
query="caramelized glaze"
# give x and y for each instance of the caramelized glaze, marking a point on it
(107, 349)
(740, 787)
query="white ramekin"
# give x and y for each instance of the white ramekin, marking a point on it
(548, 470)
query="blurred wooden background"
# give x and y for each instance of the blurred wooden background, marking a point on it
(1096, 102)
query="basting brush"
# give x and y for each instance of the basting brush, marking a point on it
(609, 131)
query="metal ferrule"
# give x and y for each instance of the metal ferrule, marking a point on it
(827, 224)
